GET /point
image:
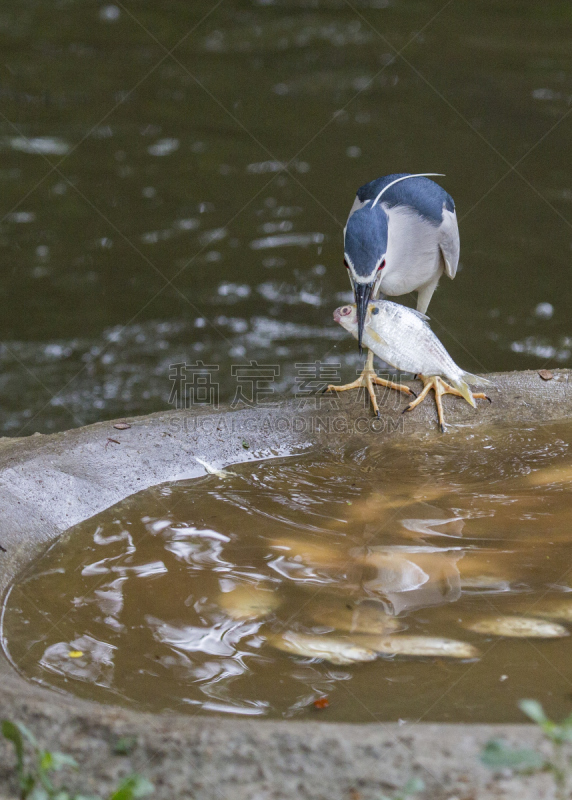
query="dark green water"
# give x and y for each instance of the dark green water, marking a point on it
(145, 219)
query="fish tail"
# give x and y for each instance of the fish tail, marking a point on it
(476, 380)
(465, 391)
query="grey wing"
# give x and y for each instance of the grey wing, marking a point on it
(449, 242)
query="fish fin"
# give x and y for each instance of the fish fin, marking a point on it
(465, 391)
(476, 380)
(420, 314)
(376, 336)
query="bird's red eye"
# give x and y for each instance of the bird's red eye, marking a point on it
(382, 265)
(346, 265)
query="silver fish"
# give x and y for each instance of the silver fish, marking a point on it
(423, 646)
(366, 617)
(517, 626)
(332, 649)
(249, 602)
(401, 337)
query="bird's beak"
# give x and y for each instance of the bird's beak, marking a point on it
(362, 292)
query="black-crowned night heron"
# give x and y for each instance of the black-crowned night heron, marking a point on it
(401, 236)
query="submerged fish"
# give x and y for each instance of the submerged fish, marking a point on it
(400, 645)
(402, 337)
(334, 650)
(517, 626)
(555, 609)
(544, 477)
(485, 583)
(354, 617)
(308, 552)
(371, 507)
(249, 602)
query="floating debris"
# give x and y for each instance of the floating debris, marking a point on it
(546, 374)
(453, 526)
(334, 650)
(249, 602)
(414, 579)
(395, 573)
(517, 626)
(321, 702)
(122, 426)
(420, 646)
(345, 615)
(212, 470)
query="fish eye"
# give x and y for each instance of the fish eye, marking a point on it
(346, 310)
(375, 310)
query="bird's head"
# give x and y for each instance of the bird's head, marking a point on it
(365, 246)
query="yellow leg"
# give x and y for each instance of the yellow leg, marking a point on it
(367, 380)
(440, 387)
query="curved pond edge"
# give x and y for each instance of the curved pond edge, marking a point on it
(50, 483)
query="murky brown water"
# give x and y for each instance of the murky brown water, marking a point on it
(123, 169)
(175, 598)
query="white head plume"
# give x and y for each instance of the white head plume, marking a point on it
(404, 178)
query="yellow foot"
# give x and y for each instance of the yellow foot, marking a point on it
(440, 387)
(368, 379)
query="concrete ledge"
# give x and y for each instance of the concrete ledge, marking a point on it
(50, 483)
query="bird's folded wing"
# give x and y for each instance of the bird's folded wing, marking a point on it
(449, 242)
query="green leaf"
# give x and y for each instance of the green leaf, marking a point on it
(55, 761)
(534, 711)
(124, 745)
(12, 733)
(27, 734)
(496, 755)
(133, 787)
(27, 783)
(16, 733)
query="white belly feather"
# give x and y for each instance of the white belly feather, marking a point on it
(413, 255)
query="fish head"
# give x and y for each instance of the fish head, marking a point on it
(365, 247)
(346, 316)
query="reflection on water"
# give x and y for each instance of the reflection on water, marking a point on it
(404, 581)
(124, 170)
